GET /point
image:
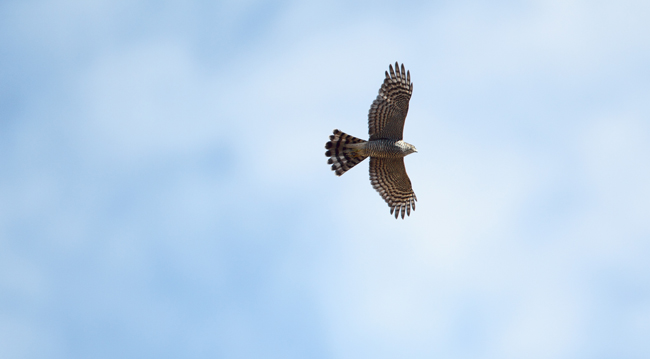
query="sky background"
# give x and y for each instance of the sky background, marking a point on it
(164, 191)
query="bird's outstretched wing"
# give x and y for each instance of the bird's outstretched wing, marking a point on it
(388, 112)
(388, 176)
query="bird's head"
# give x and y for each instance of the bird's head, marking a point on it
(410, 149)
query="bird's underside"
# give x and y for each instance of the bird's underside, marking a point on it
(385, 146)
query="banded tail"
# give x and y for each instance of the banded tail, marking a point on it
(344, 152)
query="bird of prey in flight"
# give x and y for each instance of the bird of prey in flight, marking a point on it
(385, 146)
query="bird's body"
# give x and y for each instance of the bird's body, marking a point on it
(388, 148)
(385, 146)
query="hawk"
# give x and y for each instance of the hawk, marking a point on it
(384, 147)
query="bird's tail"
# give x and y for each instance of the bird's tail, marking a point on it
(344, 152)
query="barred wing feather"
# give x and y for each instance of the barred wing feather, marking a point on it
(388, 112)
(388, 176)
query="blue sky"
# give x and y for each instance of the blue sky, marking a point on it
(164, 190)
